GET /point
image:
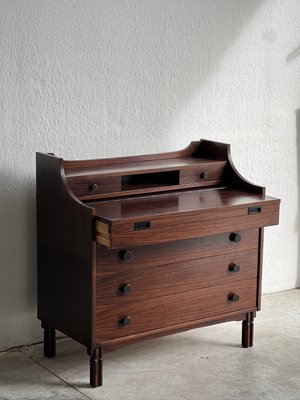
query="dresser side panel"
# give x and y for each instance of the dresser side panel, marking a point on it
(65, 254)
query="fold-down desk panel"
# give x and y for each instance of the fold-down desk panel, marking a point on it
(180, 215)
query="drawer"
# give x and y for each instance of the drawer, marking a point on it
(172, 310)
(177, 216)
(85, 186)
(152, 282)
(204, 174)
(111, 262)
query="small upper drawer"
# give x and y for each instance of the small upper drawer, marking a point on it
(206, 174)
(85, 186)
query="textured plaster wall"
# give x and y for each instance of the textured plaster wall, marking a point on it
(87, 79)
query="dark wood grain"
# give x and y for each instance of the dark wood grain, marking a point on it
(96, 367)
(112, 344)
(84, 186)
(173, 309)
(110, 263)
(154, 282)
(248, 330)
(204, 173)
(213, 202)
(231, 177)
(122, 233)
(65, 254)
(174, 274)
(260, 267)
(80, 164)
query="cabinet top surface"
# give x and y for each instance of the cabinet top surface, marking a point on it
(175, 202)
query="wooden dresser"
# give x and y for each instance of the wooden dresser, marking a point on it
(138, 247)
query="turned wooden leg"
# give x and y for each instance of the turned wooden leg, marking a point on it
(96, 367)
(49, 341)
(248, 331)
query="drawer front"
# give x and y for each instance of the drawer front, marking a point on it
(204, 175)
(85, 186)
(111, 262)
(152, 282)
(174, 309)
(164, 229)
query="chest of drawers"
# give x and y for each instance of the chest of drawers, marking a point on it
(138, 247)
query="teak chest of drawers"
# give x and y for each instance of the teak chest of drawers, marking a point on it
(138, 247)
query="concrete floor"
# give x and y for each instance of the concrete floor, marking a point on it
(206, 363)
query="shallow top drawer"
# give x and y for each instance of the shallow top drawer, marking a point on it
(180, 215)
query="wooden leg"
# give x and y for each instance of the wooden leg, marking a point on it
(248, 331)
(49, 341)
(96, 367)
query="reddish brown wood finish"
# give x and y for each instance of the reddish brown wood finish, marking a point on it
(189, 214)
(153, 282)
(207, 174)
(65, 254)
(110, 263)
(248, 330)
(260, 265)
(192, 202)
(89, 186)
(157, 333)
(173, 309)
(96, 367)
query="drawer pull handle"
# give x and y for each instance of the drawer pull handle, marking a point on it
(205, 175)
(93, 187)
(126, 255)
(126, 321)
(234, 297)
(126, 289)
(235, 237)
(234, 268)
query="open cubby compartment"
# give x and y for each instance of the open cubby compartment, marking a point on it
(149, 180)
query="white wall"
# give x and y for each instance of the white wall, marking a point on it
(96, 78)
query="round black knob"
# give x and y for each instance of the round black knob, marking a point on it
(93, 187)
(235, 237)
(126, 321)
(204, 175)
(234, 268)
(234, 297)
(126, 255)
(126, 289)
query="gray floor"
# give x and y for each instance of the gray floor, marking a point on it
(202, 364)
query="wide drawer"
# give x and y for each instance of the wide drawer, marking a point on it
(194, 305)
(161, 280)
(111, 262)
(182, 215)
